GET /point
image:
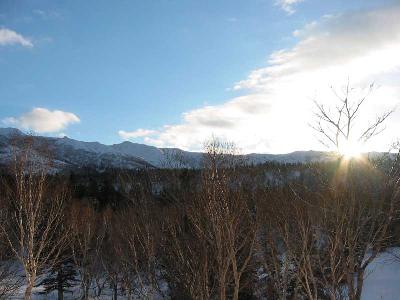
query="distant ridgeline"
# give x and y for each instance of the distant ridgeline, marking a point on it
(70, 154)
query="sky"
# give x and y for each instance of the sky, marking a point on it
(174, 73)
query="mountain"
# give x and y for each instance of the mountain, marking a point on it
(70, 153)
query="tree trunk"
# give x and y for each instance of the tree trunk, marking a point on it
(29, 288)
(60, 288)
(236, 290)
(222, 286)
(360, 282)
(85, 289)
(60, 294)
(28, 292)
(115, 291)
(332, 295)
(222, 294)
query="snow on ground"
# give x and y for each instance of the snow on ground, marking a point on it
(106, 294)
(383, 279)
(381, 283)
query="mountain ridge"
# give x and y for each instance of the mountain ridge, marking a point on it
(74, 153)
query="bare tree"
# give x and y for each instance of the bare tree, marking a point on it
(335, 123)
(136, 236)
(276, 222)
(87, 241)
(36, 213)
(111, 257)
(354, 223)
(218, 227)
(357, 215)
(10, 280)
(317, 242)
(187, 259)
(228, 222)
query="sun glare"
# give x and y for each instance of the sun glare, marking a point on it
(351, 149)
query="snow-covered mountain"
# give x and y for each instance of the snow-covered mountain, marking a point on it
(69, 153)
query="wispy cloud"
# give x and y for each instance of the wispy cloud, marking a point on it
(288, 5)
(47, 14)
(274, 113)
(10, 37)
(127, 135)
(42, 120)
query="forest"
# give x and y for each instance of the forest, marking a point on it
(228, 230)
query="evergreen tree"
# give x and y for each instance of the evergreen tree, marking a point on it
(61, 278)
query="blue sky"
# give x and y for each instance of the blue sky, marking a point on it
(171, 73)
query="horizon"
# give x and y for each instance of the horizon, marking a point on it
(200, 151)
(172, 74)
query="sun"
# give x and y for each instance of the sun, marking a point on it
(351, 149)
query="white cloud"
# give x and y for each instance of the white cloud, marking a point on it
(126, 135)
(274, 114)
(10, 37)
(287, 5)
(42, 120)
